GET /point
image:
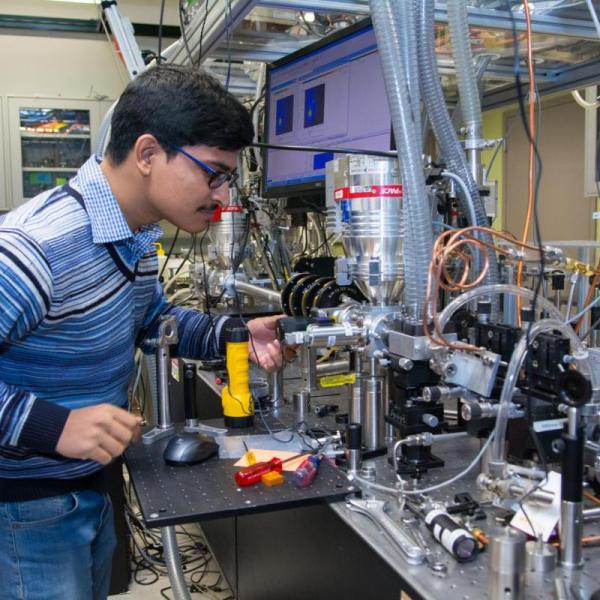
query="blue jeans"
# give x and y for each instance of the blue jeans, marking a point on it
(57, 548)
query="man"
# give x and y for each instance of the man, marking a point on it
(78, 294)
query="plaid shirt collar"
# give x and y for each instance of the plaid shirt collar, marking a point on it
(106, 217)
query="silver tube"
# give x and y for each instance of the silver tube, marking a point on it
(256, 291)
(277, 394)
(373, 426)
(355, 413)
(507, 566)
(571, 532)
(162, 364)
(332, 367)
(173, 563)
(591, 514)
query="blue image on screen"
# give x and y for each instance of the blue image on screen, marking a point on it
(314, 106)
(284, 115)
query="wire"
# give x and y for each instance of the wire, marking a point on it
(185, 259)
(171, 247)
(319, 149)
(228, 24)
(159, 57)
(437, 486)
(182, 26)
(535, 164)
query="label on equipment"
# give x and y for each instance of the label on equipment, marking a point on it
(549, 425)
(331, 340)
(330, 381)
(175, 369)
(355, 192)
(366, 165)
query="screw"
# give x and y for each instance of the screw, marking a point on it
(450, 370)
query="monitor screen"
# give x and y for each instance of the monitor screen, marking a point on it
(331, 95)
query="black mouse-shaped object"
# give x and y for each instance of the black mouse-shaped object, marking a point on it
(190, 449)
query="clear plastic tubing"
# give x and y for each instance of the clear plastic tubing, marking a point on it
(391, 35)
(556, 322)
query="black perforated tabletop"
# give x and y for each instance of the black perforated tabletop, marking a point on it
(174, 495)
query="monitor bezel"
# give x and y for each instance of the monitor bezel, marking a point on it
(312, 187)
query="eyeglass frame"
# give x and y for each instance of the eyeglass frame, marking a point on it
(216, 178)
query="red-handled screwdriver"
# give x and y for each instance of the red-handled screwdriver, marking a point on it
(252, 474)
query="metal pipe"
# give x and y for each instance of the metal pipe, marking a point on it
(256, 291)
(591, 514)
(162, 363)
(333, 367)
(173, 563)
(571, 508)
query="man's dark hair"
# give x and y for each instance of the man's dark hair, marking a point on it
(179, 106)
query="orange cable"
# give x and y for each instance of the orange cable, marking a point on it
(532, 133)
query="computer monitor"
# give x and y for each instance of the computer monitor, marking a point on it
(330, 94)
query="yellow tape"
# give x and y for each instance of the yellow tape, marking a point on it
(336, 380)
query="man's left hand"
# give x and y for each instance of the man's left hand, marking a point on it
(264, 347)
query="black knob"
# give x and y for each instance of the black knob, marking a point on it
(576, 389)
(558, 280)
(189, 390)
(527, 315)
(484, 307)
(354, 436)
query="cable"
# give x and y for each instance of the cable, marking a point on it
(228, 38)
(437, 486)
(186, 258)
(319, 149)
(466, 192)
(182, 26)
(171, 247)
(159, 57)
(584, 103)
(535, 162)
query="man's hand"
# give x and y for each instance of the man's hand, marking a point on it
(99, 433)
(264, 347)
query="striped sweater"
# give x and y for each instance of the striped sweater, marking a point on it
(78, 294)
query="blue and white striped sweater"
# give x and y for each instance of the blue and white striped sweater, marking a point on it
(78, 291)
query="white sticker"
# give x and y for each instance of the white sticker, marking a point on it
(596, 215)
(175, 369)
(549, 425)
(331, 340)
(366, 164)
(348, 329)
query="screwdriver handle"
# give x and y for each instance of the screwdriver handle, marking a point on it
(251, 475)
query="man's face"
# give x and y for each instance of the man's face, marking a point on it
(178, 189)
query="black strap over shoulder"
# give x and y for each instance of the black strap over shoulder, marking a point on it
(114, 254)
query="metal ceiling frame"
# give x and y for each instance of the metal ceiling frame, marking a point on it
(223, 17)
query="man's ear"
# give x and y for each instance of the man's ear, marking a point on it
(145, 152)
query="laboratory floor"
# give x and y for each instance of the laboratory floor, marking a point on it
(206, 576)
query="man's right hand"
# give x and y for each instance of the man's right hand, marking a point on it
(99, 433)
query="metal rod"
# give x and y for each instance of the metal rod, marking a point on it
(333, 367)
(256, 291)
(162, 364)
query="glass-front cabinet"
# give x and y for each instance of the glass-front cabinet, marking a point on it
(50, 140)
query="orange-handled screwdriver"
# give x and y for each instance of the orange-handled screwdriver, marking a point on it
(252, 474)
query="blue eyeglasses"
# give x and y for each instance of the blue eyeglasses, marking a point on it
(215, 178)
